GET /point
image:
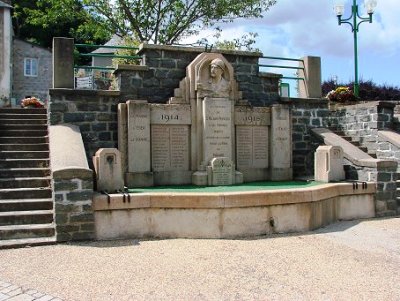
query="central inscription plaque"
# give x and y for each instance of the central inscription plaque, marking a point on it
(217, 128)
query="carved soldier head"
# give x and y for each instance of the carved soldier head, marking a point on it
(217, 68)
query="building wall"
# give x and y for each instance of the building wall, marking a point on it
(37, 86)
(5, 55)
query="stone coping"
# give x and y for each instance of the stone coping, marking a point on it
(367, 104)
(269, 74)
(143, 47)
(390, 136)
(67, 159)
(84, 92)
(125, 67)
(351, 152)
(184, 200)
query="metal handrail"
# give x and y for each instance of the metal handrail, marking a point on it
(280, 66)
(106, 46)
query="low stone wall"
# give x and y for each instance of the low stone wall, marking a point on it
(73, 191)
(73, 184)
(229, 215)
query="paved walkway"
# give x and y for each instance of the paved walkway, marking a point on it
(358, 260)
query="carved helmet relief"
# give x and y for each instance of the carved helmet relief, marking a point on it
(208, 75)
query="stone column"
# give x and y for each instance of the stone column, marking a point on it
(63, 63)
(281, 144)
(310, 87)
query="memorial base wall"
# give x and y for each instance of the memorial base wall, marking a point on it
(230, 215)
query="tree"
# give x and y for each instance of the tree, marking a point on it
(167, 21)
(39, 21)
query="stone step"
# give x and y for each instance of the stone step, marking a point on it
(24, 140)
(24, 172)
(22, 127)
(25, 147)
(27, 231)
(23, 110)
(23, 133)
(24, 154)
(26, 204)
(22, 116)
(6, 183)
(24, 242)
(17, 154)
(25, 193)
(24, 121)
(26, 217)
(24, 163)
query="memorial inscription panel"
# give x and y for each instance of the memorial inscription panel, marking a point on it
(222, 171)
(217, 128)
(252, 146)
(170, 147)
(252, 127)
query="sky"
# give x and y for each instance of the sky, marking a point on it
(297, 28)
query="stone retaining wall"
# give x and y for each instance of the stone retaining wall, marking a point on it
(165, 66)
(94, 112)
(307, 114)
(362, 121)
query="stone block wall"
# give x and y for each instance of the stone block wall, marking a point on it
(95, 112)
(165, 66)
(385, 178)
(307, 114)
(73, 191)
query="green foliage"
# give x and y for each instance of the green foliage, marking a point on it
(130, 42)
(245, 42)
(39, 21)
(167, 21)
(368, 90)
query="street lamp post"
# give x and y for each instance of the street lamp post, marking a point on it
(354, 24)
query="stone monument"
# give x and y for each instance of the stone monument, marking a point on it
(206, 134)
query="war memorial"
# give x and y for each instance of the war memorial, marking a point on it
(199, 144)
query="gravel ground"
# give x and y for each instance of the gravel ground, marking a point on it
(358, 260)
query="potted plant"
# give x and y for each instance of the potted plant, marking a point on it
(31, 102)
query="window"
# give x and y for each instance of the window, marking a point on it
(30, 67)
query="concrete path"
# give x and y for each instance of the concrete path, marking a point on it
(357, 260)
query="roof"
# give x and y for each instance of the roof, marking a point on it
(114, 41)
(2, 4)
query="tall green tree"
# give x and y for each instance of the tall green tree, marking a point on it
(167, 21)
(39, 21)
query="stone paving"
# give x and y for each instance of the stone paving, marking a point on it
(353, 260)
(12, 292)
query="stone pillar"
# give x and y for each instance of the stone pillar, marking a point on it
(310, 87)
(63, 63)
(281, 144)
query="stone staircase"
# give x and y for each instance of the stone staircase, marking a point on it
(354, 142)
(26, 203)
